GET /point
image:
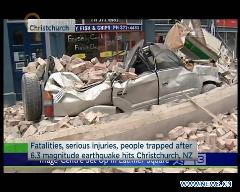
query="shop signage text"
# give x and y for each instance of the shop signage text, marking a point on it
(108, 27)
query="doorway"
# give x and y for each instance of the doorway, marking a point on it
(25, 47)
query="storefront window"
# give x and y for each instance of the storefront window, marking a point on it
(102, 45)
(126, 40)
(84, 44)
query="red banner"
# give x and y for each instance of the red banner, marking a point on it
(231, 23)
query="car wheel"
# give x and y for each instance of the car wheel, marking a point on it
(32, 97)
(208, 87)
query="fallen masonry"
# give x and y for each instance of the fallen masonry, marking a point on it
(161, 119)
(215, 140)
(207, 133)
(88, 71)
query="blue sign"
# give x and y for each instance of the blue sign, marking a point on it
(107, 27)
(204, 159)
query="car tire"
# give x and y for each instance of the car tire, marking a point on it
(208, 87)
(32, 97)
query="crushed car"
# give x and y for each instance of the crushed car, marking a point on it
(151, 74)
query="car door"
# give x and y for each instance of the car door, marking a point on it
(136, 94)
(142, 92)
(174, 78)
(176, 81)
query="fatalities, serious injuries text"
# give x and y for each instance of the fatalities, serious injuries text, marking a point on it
(112, 150)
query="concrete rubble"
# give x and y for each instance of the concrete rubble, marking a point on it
(210, 136)
(16, 127)
(30, 131)
(219, 55)
(88, 71)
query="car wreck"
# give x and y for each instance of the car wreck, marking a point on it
(150, 75)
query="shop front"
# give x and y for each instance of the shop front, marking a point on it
(103, 38)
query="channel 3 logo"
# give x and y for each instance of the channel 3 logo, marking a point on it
(200, 161)
(31, 16)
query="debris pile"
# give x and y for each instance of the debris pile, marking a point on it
(211, 136)
(14, 124)
(70, 122)
(227, 72)
(88, 71)
(183, 34)
(16, 127)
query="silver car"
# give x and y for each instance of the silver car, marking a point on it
(162, 77)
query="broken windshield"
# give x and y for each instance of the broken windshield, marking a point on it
(131, 56)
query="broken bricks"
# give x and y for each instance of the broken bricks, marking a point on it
(214, 137)
(204, 148)
(84, 76)
(159, 136)
(76, 122)
(94, 77)
(201, 138)
(66, 59)
(23, 128)
(111, 65)
(41, 61)
(63, 121)
(31, 68)
(220, 143)
(88, 71)
(176, 132)
(13, 122)
(98, 72)
(230, 143)
(78, 68)
(190, 130)
(55, 126)
(229, 135)
(89, 118)
(100, 66)
(58, 65)
(94, 60)
(75, 59)
(220, 132)
(30, 131)
(88, 64)
(128, 75)
(40, 71)
(212, 140)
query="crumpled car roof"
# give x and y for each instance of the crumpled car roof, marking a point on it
(164, 57)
